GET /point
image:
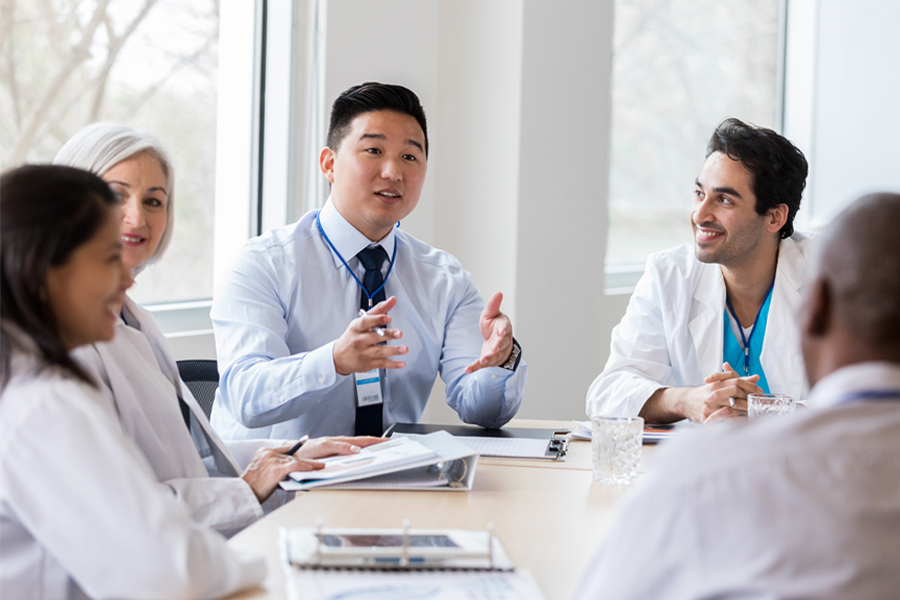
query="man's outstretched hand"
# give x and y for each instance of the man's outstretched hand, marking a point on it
(496, 329)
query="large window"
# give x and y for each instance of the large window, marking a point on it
(679, 67)
(151, 65)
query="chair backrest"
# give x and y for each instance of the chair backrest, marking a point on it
(202, 378)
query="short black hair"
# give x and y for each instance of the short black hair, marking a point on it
(46, 213)
(778, 166)
(370, 97)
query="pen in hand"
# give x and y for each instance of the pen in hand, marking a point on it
(296, 446)
(378, 330)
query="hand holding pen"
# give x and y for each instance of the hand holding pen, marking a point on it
(362, 346)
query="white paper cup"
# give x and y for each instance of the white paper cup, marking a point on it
(616, 448)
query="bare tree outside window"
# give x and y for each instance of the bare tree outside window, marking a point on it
(151, 64)
(679, 68)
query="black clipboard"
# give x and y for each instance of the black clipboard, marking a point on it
(557, 442)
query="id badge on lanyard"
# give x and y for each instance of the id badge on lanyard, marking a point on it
(368, 388)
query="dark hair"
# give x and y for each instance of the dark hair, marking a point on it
(370, 97)
(46, 213)
(779, 168)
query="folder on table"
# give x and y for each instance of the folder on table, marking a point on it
(430, 462)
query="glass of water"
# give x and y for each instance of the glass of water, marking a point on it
(616, 448)
(765, 405)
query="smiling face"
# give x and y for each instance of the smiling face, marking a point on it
(727, 228)
(87, 291)
(142, 184)
(377, 172)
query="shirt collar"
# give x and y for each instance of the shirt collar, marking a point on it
(832, 388)
(346, 238)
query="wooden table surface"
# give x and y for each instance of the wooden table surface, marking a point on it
(549, 515)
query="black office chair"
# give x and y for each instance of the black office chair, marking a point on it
(202, 378)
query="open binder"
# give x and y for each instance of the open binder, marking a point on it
(431, 462)
(401, 563)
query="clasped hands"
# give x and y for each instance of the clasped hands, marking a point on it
(723, 396)
(361, 349)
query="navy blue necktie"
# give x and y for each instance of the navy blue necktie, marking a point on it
(368, 418)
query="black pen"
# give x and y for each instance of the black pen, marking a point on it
(296, 446)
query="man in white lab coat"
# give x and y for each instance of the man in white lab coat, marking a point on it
(803, 506)
(718, 319)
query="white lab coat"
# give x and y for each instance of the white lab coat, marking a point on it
(674, 326)
(138, 373)
(81, 512)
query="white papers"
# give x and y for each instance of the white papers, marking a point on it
(370, 460)
(507, 447)
(652, 433)
(308, 584)
(498, 447)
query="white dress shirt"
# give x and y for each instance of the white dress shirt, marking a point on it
(287, 299)
(138, 372)
(804, 506)
(675, 325)
(82, 514)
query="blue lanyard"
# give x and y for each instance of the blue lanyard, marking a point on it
(352, 274)
(886, 394)
(746, 339)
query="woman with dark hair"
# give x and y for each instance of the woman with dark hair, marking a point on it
(81, 513)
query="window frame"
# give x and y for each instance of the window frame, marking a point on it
(622, 279)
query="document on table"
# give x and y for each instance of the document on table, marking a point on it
(499, 447)
(311, 584)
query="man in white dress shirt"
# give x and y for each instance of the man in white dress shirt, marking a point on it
(294, 356)
(717, 319)
(805, 506)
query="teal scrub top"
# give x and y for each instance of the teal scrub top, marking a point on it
(733, 349)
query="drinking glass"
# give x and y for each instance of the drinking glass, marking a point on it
(616, 448)
(766, 405)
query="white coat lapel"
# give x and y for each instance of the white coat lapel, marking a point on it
(166, 361)
(707, 320)
(780, 356)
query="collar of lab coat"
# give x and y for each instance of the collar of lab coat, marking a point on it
(137, 317)
(707, 318)
(347, 239)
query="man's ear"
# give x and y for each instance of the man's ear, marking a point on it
(777, 217)
(326, 163)
(817, 319)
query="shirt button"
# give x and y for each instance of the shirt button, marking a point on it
(493, 377)
(281, 398)
(321, 380)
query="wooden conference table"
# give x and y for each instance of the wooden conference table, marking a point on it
(549, 515)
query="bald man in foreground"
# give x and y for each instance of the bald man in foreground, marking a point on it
(806, 506)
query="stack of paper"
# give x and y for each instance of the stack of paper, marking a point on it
(652, 433)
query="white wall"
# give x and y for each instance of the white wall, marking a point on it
(843, 100)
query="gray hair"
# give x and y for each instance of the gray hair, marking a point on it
(101, 146)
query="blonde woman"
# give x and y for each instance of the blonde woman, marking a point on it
(224, 485)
